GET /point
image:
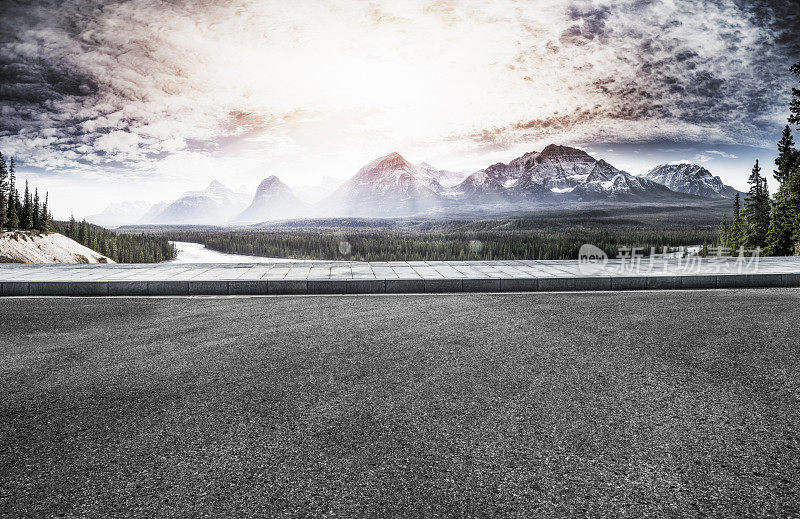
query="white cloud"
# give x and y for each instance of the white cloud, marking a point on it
(306, 89)
(722, 154)
(118, 142)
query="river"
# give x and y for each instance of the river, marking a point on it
(198, 253)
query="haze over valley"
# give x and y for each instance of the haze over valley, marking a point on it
(391, 186)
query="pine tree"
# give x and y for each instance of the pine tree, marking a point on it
(756, 210)
(82, 233)
(72, 229)
(794, 104)
(784, 211)
(27, 209)
(787, 158)
(13, 198)
(783, 237)
(782, 221)
(4, 198)
(737, 227)
(46, 218)
(37, 210)
(724, 232)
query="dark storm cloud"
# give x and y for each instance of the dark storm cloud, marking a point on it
(106, 82)
(716, 65)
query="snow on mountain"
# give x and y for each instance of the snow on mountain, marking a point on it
(392, 186)
(558, 173)
(120, 213)
(153, 212)
(216, 204)
(389, 186)
(690, 178)
(273, 200)
(435, 176)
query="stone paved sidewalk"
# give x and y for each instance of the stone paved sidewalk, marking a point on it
(393, 277)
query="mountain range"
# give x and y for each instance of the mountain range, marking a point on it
(391, 186)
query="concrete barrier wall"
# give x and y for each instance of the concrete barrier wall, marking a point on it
(391, 286)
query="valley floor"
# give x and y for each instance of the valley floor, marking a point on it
(635, 404)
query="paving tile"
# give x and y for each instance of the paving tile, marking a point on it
(556, 284)
(443, 285)
(480, 285)
(327, 287)
(88, 288)
(208, 288)
(663, 282)
(748, 280)
(418, 276)
(405, 286)
(14, 288)
(790, 280)
(593, 283)
(168, 288)
(127, 288)
(705, 281)
(519, 284)
(248, 287)
(365, 286)
(48, 288)
(628, 283)
(286, 287)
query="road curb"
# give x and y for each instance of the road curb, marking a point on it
(393, 286)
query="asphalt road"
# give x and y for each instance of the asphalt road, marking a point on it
(641, 404)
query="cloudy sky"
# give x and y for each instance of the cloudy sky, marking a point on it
(105, 101)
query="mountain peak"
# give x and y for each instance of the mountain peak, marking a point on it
(558, 152)
(216, 184)
(270, 181)
(390, 164)
(393, 159)
(686, 177)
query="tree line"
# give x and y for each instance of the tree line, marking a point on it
(412, 245)
(772, 225)
(120, 247)
(25, 211)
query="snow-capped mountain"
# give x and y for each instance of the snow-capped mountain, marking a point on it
(388, 186)
(152, 213)
(273, 200)
(392, 186)
(690, 178)
(558, 173)
(214, 205)
(120, 213)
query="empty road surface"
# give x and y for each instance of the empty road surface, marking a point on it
(627, 404)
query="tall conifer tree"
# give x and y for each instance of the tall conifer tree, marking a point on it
(27, 209)
(13, 198)
(737, 226)
(37, 210)
(756, 210)
(4, 196)
(45, 218)
(787, 156)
